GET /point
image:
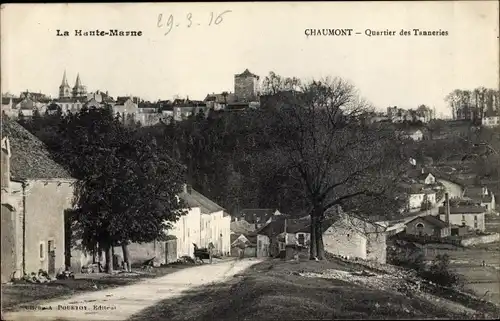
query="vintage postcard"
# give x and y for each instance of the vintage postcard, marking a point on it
(256, 161)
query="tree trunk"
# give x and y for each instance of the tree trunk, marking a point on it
(319, 238)
(126, 256)
(108, 253)
(313, 253)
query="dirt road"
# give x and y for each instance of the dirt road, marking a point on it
(121, 303)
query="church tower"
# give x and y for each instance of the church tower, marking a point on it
(64, 89)
(79, 89)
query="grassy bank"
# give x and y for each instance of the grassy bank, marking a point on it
(278, 290)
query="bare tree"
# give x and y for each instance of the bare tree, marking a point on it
(331, 157)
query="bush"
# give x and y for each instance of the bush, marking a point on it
(405, 257)
(439, 272)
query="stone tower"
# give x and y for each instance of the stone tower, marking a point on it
(64, 89)
(246, 86)
(79, 89)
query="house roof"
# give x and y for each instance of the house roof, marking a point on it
(242, 226)
(196, 199)
(30, 158)
(476, 193)
(246, 73)
(491, 113)
(256, 215)
(413, 188)
(470, 209)
(431, 220)
(277, 226)
(6, 101)
(417, 174)
(219, 98)
(121, 100)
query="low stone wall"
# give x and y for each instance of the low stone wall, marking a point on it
(481, 239)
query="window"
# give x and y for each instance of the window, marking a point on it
(42, 251)
(301, 238)
(463, 218)
(475, 218)
(281, 246)
(475, 224)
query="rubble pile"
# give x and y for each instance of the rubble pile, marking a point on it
(369, 279)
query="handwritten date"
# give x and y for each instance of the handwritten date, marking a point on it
(188, 21)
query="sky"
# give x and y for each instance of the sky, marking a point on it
(403, 71)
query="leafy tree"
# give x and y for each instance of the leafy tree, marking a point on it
(127, 186)
(439, 272)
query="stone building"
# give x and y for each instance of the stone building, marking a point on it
(36, 194)
(246, 86)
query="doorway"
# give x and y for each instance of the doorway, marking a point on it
(51, 254)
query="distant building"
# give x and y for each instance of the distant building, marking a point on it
(126, 108)
(258, 216)
(465, 215)
(428, 226)
(246, 86)
(414, 134)
(491, 119)
(219, 101)
(422, 177)
(481, 196)
(417, 195)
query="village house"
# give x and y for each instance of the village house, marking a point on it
(465, 214)
(125, 106)
(36, 195)
(205, 222)
(491, 119)
(356, 237)
(257, 216)
(184, 108)
(281, 232)
(25, 104)
(219, 101)
(418, 195)
(482, 196)
(428, 226)
(246, 243)
(343, 234)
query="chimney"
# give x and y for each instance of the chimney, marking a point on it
(447, 208)
(422, 170)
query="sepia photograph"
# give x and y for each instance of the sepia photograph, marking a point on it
(250, 160)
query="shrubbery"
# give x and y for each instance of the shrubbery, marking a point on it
(437, 272)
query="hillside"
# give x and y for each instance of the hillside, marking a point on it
(279, 290)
